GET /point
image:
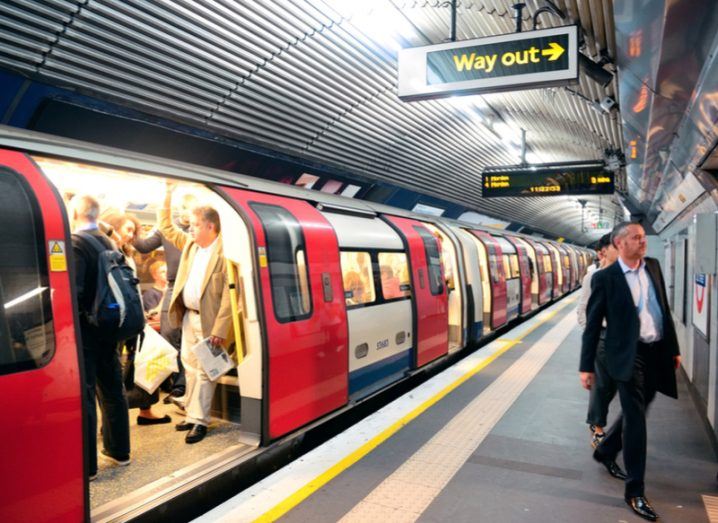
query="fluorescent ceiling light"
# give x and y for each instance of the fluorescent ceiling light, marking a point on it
(24, 297)
(380, 20)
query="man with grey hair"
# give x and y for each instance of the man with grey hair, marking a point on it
(103, 372)
(641, 353)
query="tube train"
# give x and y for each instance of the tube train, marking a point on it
(337, 299)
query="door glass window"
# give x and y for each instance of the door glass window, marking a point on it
(433, 260)
(394, 270)
(514, 260)
(358, 278)
(547, 263)
(26, 330)
(507, 266)
(286, 254)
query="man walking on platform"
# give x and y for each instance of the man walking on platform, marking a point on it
(641, 353)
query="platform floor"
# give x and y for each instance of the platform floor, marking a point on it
(510, 444)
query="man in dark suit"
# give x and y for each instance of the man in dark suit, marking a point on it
(103, 372)
(641, 353)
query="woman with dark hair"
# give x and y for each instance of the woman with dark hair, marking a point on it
(125, 230)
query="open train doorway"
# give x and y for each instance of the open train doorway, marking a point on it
(135, 210)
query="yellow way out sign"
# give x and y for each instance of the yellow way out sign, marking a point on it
(515, 61)
(533, 55)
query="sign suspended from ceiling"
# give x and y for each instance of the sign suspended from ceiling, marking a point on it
(547, 180)
(510, 62)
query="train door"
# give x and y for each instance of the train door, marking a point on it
(432, 315)
(545, 274)
(509, 259)
(304, 313)
(565, 269)
(474, 285)
(496, 278)
(377, 293)
(557, 266)
(529, 280)
(40, 371)
(455, 278)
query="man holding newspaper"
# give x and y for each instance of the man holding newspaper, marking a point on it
(200, 304)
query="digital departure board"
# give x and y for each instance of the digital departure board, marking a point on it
(524, 60)
(547, 180)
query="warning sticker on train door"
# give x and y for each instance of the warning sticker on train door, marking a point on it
(58, 259)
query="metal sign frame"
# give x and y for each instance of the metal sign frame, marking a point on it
(413, 76)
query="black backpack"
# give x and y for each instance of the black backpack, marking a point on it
(117, 307)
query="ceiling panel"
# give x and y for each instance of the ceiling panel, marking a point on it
(317, 79)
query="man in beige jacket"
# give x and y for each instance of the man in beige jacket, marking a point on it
(199, 304)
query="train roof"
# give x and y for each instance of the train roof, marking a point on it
(50, 145)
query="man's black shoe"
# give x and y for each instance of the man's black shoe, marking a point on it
(195, 435)
(184, 426)
(611, 466)
(640, 506)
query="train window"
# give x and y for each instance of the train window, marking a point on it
(287, 268)
(547, 263)
(507, 266)
(514, 260)
(358, 278)
(433, 260)
(394, 270)
(26, 330)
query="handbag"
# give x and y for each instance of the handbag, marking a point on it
(155, 360)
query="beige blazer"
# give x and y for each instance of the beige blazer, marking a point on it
(215, 310)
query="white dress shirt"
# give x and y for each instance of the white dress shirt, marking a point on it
(192, 291)
(645, 300)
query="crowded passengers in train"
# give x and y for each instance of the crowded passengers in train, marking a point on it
(194, 307)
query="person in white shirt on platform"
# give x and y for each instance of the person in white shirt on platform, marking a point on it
(604, 388)
(200, 304)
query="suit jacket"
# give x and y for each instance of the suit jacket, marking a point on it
(611, 299)
(214, 310)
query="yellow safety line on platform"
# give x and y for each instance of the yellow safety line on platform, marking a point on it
(307, 490)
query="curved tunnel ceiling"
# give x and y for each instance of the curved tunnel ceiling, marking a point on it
(317, 79)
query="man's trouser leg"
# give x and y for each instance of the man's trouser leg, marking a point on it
(89, 355)
(628, 432)
(199, 388)
(113, 402)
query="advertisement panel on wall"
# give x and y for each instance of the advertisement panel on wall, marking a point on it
(701, 301)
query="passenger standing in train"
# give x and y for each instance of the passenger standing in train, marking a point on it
(155, 240)
(152, 298)
(125, 229)
(604, 388)
(199, 303)
(103, 372)
(641, 353)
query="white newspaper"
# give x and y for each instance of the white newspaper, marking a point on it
(213, 359)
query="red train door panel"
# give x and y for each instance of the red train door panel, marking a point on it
(524, 270)
(41, 456)
(432, 321)
(544, 290)
(497, 278)
(304, 312)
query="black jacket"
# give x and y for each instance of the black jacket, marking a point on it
(156, 240)
(86, 279)
(611, 299)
